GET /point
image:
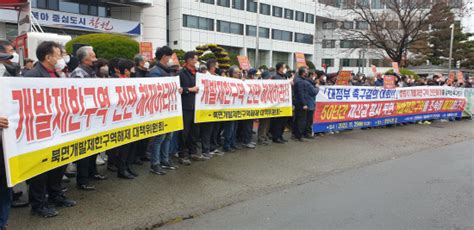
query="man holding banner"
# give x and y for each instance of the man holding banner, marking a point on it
(304, 104)
(277, 124)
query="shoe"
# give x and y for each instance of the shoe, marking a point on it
(236, 147)
(132, 171)
(138, 162)
(278, 141)
(309, 137)
(125, 175)
(218, 153)
(169, 166)
(283, 139)
(63, 201)
(249, 146)
(145, 159)
(184, 161)
(66, 179)
(86, 187)
(262, 143)
(198, 157)
(99, 177)
(112, 168)
(19, 203)
(427, 123)
(156, 169)
(44, 212)
(207, 155)
(64, 189)
(99, 161)
(230, 150)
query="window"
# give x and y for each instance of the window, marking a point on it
(328, 61)
(277, 11)
(352, 62)
(282, 35)
(353, 43)
(208, 1)
(41, 4)
(289, 14)
(310, 18)
(224, 3)
(348, 25)
(230, 27)
(362, 3)
(360, 25)
(265, 9)
(304, 38)
(251, 6)
(346, 44)
(53, 4)
(329, 25)
(83, 9)
(238, 4)
(252, 31)
(198, 22)
(377, 4)
(69, 7)
(329, 43)
(299, 16)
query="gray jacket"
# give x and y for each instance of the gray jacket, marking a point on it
(83, 71)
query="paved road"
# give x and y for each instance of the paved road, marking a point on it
(431, 189)
(152, 200)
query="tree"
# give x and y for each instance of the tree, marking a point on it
(107, 46)
(436, 46)
(206, 52)
(393, 30)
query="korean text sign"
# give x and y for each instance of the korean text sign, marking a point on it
(227, 99)
(54, 122)
(344, 107)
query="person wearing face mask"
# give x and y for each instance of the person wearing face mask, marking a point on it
(277, 124)
(160, 145)
(189, 135)
(47, 186)
(102, 66)
(305, 93)
(141, 69)
(86, 167)
(61, 67)
(10, 66)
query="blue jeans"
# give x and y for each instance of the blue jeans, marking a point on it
(160, 149)
(5, 202)
(230, 134)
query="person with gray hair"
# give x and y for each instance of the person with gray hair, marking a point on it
(86, 168)
(141, 68)
(86, 57)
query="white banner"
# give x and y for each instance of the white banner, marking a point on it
(57, 121)
(225, 99)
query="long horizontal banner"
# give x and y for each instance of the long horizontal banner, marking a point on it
(54, 122)
(227, 99)
(348, 107)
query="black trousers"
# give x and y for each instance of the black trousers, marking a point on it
(245, 130)
(122, 156)
(188, 136)
(277, 127)
(86, 168)
(309, 123)
(48, 183)
(216, 140)
(206, 130)
(300, 123)
(139, 148)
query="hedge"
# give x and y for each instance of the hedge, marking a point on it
(107, 46)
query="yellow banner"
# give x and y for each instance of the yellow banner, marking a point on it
(28, 165)
(241, 114)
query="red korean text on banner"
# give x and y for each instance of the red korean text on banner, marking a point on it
(244, 62)
(344, 77)
(389, 82)
(146, 50)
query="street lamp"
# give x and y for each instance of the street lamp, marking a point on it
(451, 47)
(257, 45)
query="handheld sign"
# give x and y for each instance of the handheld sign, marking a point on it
(300, 60)
(395, 67)
(344, 77)
(244, 62)
(389, 82)
(146, 50)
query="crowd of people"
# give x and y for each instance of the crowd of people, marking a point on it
(196, 142)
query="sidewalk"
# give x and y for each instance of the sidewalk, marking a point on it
(150, 200)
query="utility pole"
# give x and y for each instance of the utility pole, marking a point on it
(257, 45)
(451, 48)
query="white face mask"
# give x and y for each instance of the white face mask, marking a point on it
(197, 65)
(285, 70)
(146, 65)
(60, 65)
(104, 70)
(325, 78)
(170, 62)
(67, 58)
(16, 58)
